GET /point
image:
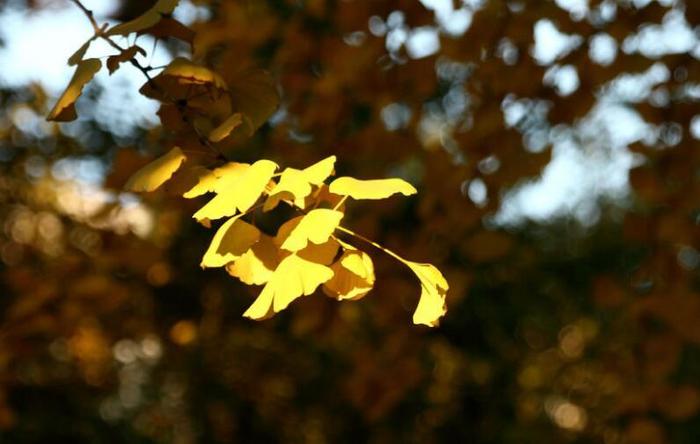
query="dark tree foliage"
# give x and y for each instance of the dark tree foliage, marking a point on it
(578, 326)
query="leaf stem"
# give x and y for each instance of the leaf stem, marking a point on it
(373, 243)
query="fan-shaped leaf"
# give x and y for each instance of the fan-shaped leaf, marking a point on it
(156, 173)
(316, 227)
(295, 185)
(64, 110)
(238, 191)
(293, 278)
(199, 81)
(353, 276)
(431, 306)
(146, 20)
(222, 131)
(370, 189)
(114, 61)
(233, 239)
(207, 182)
(78, 55)
(255, 266)
(255, 95)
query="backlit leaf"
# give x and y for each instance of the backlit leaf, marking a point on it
(146, 20)
(234, 238)
(255, 266)
(156, 173)
(207, 182)
(431, 306)
(129, 53)
(370, 189)
(222, 131)
(169, 27)
(184, 79)
(64, 110)
(238, 192)
(295, 185)
(255, 95)
(316, 227)
(293, 278)
(319, 253)
(353, 276)
(78, 55)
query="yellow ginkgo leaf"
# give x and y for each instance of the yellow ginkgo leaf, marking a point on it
(64, 110)
(316, 227)
(317, 173)
(184, 79)
(238, 192)
(255, 266)
(129, 53)
(146, 20)
(293, 278)
(370, 189)
(157, 172)
(254, 93)
(222, 131)
(353, 276)
(78, 55)
(207, 182)
(233, 239)
(431, 306)
(319, 253)
(295, 185)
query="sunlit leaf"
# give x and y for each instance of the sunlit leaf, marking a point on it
(353, 275)
(319, 253)
(78, 55)
(64, 110)
(169, 27)
(184, 79)
(293, 278)
(316, 227)
(234, 238)
(156, 173)
(222, 131)
(255, 95)
(129, 53)
(255, 266)
(146, 20)
(207, 182)
(431, 306)
(238, 192)
(295, 185)
(370, 189)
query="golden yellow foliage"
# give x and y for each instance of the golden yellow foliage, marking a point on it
(294, 277)
(316, 226)
(239, 192)
(370, 189)
(353, 275)
(232, 239)
(431, 306)
(222, 131)
(146, 20)
(64, 110)
(156, 173)
(295, 185)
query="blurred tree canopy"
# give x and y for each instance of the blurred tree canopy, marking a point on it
(578, 326)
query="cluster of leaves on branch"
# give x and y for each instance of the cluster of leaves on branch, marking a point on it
(205, 114)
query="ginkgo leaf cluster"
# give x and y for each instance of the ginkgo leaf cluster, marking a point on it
(204, 113)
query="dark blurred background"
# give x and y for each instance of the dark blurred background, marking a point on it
(555, 148)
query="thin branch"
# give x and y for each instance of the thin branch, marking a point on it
(89, 15)
(99, 32)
